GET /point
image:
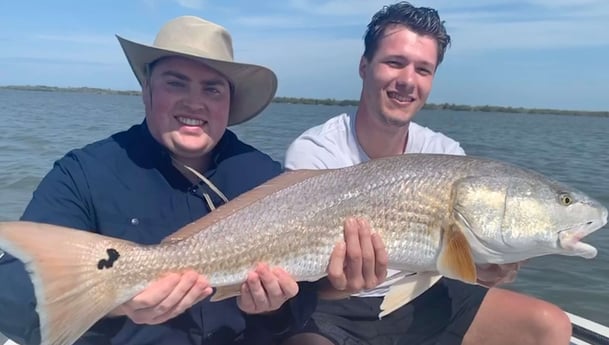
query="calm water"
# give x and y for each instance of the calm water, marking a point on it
(36, 128)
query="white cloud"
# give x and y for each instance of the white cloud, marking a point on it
(492, 30)
(294, 22)
(476, 26)
(314, 46)
(540, 35)
(270, 21)
(473, 32)
(323, 60)
(338, 8)
(93, 39)
(64, 48)
(306, 67)
(568, 3)
(191, 4)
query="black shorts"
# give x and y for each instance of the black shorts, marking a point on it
(440, 316)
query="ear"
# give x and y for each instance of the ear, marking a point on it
(363, 63)
(146, 94)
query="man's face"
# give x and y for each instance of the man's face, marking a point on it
(398, 78)
(187, 106)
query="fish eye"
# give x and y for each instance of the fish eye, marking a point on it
(566, 199)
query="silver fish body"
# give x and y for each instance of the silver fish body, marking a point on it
(508, 214)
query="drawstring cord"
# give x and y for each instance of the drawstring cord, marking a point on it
(205, 180)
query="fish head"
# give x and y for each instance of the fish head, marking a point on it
(513, 218)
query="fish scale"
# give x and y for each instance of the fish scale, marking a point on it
(400, 204)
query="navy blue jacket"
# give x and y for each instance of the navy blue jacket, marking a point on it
(125, 186)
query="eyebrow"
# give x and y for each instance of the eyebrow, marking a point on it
(209, 82)
(428, 64)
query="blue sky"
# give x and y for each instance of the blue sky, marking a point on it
(531, 53)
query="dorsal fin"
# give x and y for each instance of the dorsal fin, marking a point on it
(273, 185)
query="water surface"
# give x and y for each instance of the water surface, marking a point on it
(36, 128)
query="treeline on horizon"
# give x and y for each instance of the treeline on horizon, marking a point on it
(94, 90)
(449, 106)
(331, 101)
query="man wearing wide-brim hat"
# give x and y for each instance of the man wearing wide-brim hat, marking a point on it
(137, 185)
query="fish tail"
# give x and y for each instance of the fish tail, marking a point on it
(73, 273)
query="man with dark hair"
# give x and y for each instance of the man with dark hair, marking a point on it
(404, 45)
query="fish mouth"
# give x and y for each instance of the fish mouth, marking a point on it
(570, 240)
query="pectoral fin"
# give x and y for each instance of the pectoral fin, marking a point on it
(456, 260)
(406, 290)
(224, 292)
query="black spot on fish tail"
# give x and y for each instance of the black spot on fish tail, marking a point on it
(113, 255)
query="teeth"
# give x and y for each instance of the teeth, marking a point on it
(400, 98)
(190, 122)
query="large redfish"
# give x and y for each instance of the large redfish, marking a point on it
(437, 215)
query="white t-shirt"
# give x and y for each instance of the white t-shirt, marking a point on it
(334, 144)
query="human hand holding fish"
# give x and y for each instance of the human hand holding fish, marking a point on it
(266, 290)
(165, 298)
(359, 262)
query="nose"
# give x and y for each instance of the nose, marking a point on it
(406, 78)
(194, 100)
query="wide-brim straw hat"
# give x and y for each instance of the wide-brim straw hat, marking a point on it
(254, 86)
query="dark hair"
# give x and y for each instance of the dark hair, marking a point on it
(422, 20)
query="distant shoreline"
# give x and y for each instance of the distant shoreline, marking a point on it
(329, 101)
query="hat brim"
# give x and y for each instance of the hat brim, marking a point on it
(254, 86)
